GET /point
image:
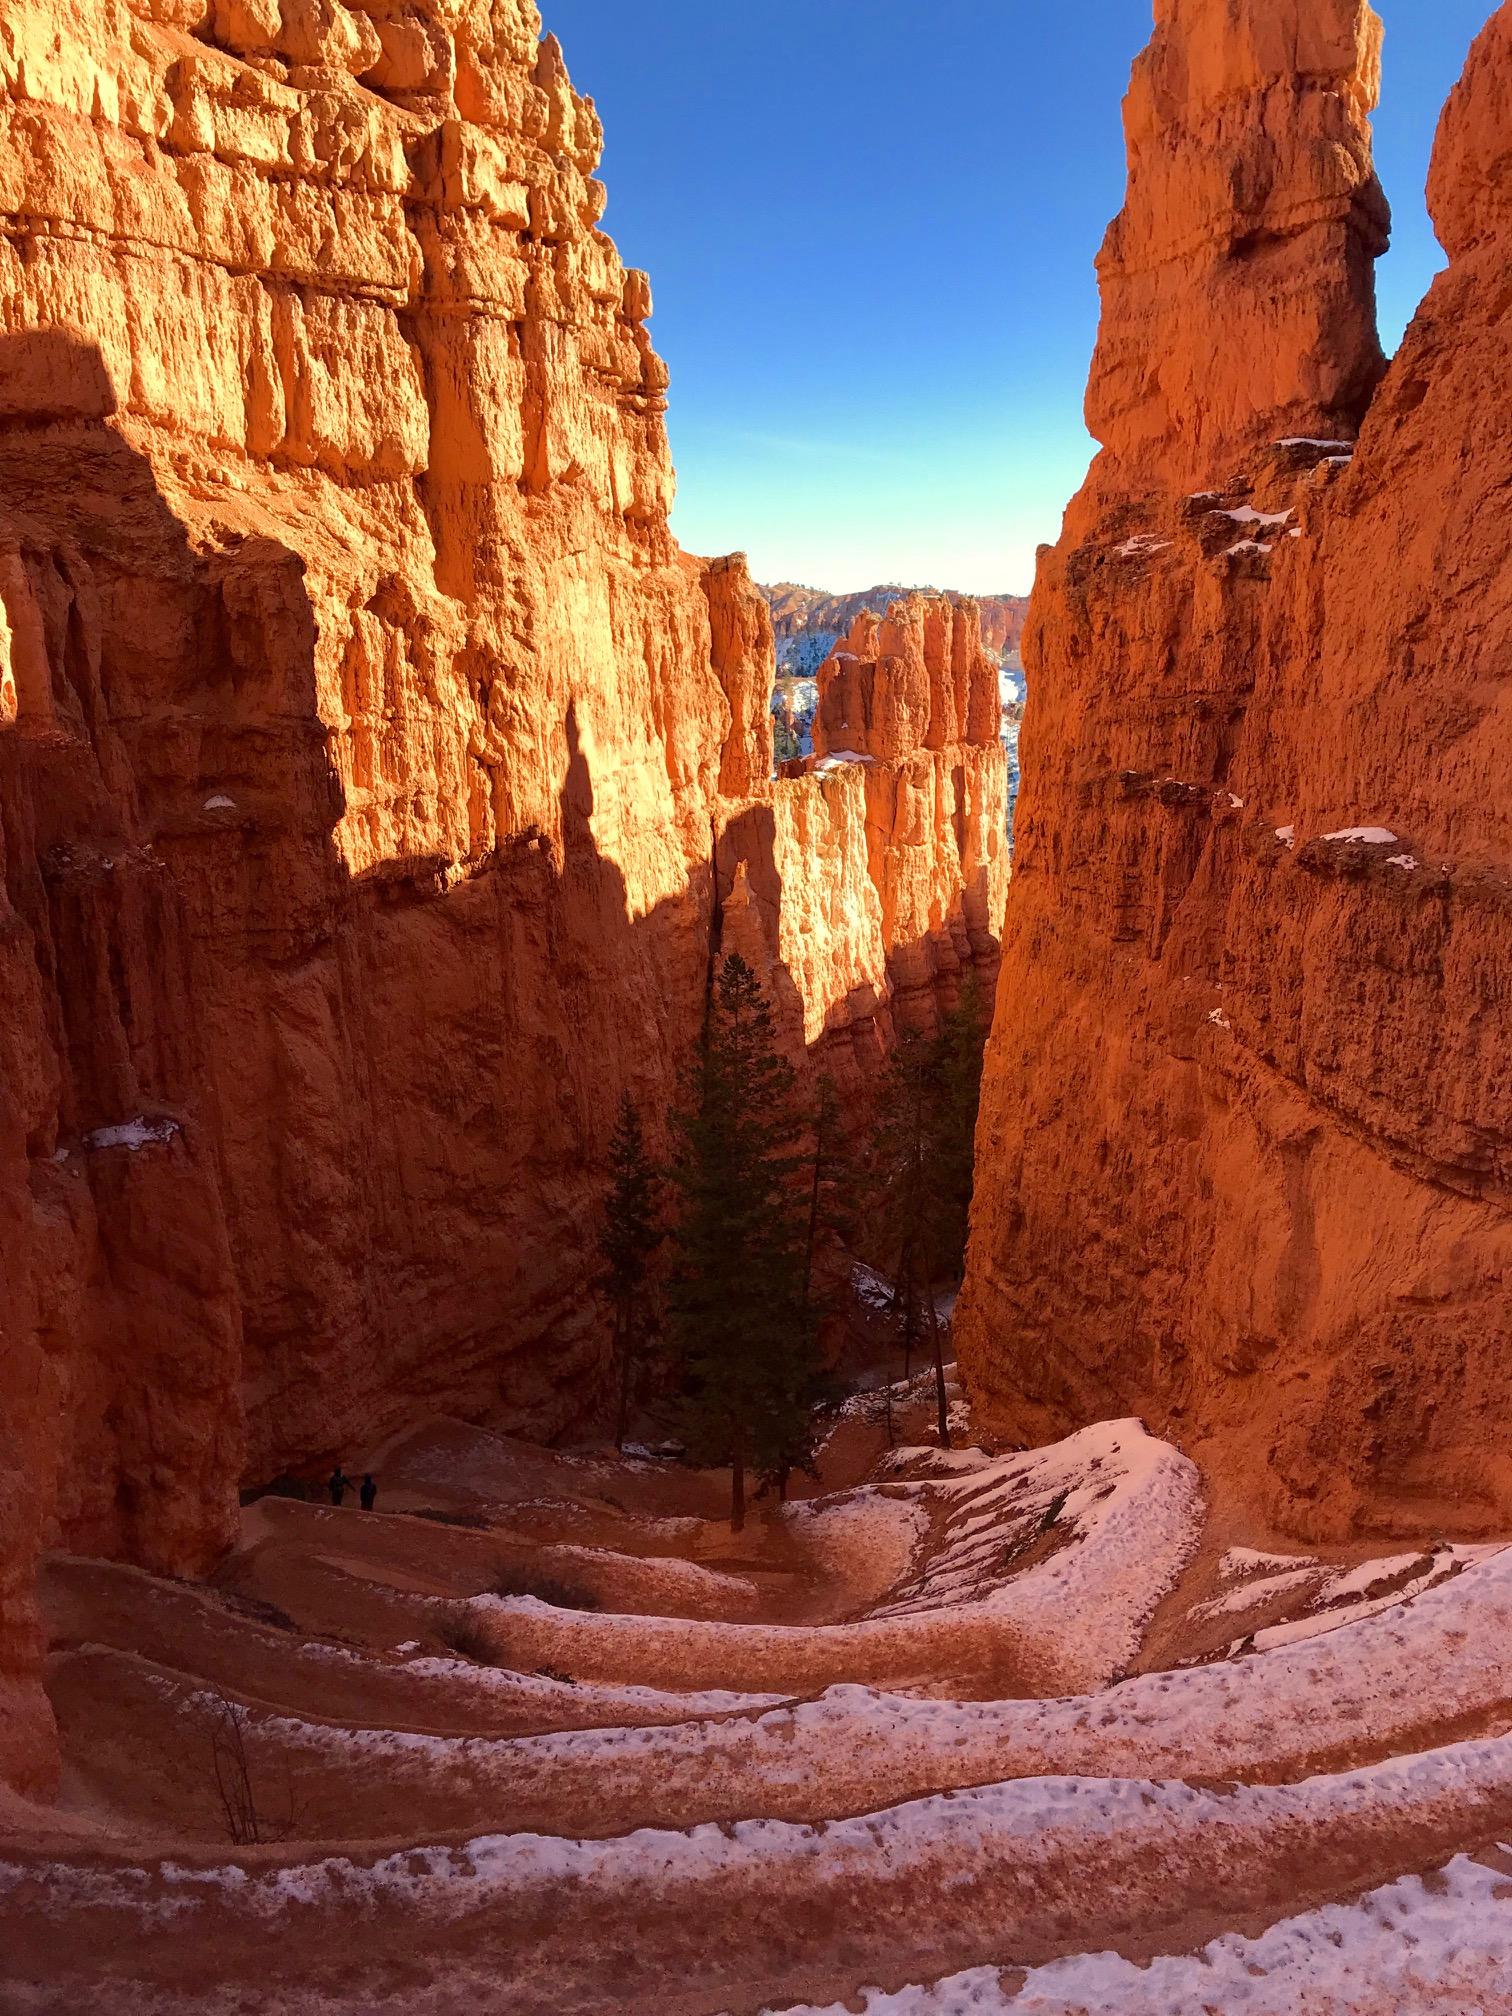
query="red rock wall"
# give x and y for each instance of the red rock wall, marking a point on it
(1247, 1131)
(376, 775)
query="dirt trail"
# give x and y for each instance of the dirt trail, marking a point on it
(543, 1735)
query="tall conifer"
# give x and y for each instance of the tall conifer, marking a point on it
(737, 1293)
(628, 1238)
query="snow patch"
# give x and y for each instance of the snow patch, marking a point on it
(133, 1134)
(1248, 515)
(1364, 836)
(1441, 1942)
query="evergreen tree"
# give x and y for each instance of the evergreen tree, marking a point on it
(628, 1238)
(831, 1186)
(737, 1294)
(915, 1216)
(959, 1047)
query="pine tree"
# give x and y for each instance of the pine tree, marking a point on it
(914, 1215)
(959, 1047)
(628, 1238)
(831, 1185)
(737, 1294)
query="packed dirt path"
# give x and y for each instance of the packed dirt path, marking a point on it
(967, 1730)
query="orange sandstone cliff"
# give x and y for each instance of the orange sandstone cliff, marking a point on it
(1246, 1148)
(914, 696)
(378, 780)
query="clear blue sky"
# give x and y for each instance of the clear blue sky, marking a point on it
(870, 228)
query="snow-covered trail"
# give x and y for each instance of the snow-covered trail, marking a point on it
(944, 1795)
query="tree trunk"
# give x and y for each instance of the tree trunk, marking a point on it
(939, 1359)
(813, 1223)
(737, 1485)
(622, 1345)
(910, 1314)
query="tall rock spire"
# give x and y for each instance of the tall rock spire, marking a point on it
(1238, 299)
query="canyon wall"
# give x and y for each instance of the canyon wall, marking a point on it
(378, 780)
(1246, 1142)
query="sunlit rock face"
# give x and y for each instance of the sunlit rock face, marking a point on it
(1247, 1135)
(378, 780)
(361, 740)
(910, 699)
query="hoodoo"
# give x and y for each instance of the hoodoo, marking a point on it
(1246, 1143)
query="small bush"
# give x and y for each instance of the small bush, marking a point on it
(461, 1632)
(258, 1610)
(518, 1579)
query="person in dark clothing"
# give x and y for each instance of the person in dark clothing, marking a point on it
(338, 1485)
(368, 1493)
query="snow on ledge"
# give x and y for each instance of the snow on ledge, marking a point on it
(837, 759)
(1364, 836)
(1413, 1944)
(132, 1134)
(1246, 514)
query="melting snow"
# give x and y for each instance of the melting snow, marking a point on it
(1369, 836)
(1248, 1594)
(1407, 861)
(132, 1134)
(220, 803)
(836, 759)
(1249, 1561)
(1441, 1942)
(1248, 515)
(1288, 834)
(1345, 448)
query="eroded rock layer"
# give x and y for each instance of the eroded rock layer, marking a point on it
(377, 778)
(1247, 1133)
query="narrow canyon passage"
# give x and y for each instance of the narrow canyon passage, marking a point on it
(390, 813)
(944, 1715)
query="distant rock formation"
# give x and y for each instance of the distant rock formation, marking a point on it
(1245, 1159)
(910, 700)
(809, 622)
(378, 780)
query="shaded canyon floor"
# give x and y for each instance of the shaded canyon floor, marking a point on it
(1032, 1731)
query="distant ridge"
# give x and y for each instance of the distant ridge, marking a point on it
(800, 613)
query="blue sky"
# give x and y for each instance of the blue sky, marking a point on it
(870, 229)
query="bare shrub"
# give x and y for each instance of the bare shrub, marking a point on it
(259, 1610)
(252, 1812)
(518, 1578)
(460, 1631)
